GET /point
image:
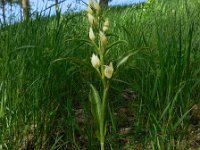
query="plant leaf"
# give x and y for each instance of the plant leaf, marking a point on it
(88, 42)
(113, 121)
(181, 119)
(113, 44)
(122, 60)
(78, 61)
(95, 104)
(105, 128)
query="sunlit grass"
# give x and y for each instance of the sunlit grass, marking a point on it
(44, 103)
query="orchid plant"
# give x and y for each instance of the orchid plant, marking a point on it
(99, 40)
(105, 71)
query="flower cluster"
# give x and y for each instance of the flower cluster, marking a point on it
(93, 19)
(98, 37)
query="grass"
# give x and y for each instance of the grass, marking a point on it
(44, 102)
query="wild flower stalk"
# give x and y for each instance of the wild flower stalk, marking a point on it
(98, 37)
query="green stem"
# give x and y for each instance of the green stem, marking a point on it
(102, 146)
(103, 112)
(105, 93)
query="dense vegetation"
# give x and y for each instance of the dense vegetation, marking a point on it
(153, 99)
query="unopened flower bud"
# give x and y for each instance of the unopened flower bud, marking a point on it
(106, 25)
(91, 19)
(90, 11)
(91, 3)
(98, 9)
(108, 71)
(91, 34)
(103, 39)
(95, 61)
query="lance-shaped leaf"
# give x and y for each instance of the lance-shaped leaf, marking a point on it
(88, 42)
(74, 60)
(114, 44)
(123, 59)
(95, 105)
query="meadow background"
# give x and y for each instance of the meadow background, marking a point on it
(45, 73)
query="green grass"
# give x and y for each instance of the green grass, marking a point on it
(45, 73)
